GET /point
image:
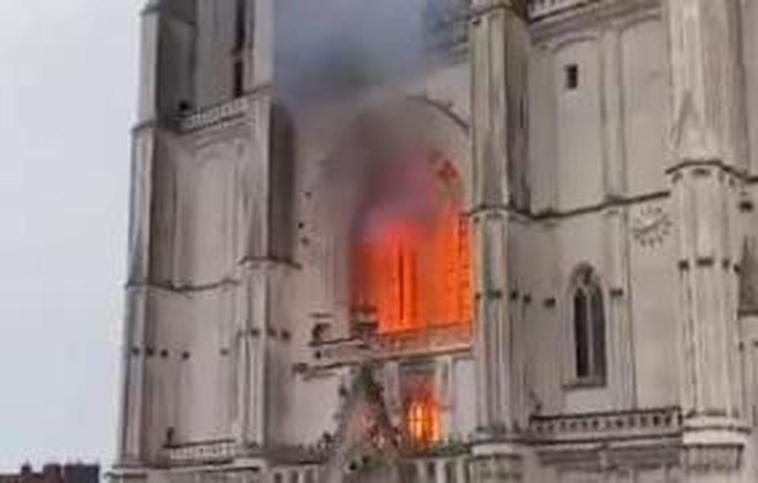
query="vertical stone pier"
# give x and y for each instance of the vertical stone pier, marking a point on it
(499, 41)
(708, 154)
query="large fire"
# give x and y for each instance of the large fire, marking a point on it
(411, 266)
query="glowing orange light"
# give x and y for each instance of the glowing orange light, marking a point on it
(422, 421)
(414, 273)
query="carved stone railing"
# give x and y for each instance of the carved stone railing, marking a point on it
(225, 450)
(380, 346)
(201, 452)
(542, 8)
(215, 115)
(599, 426)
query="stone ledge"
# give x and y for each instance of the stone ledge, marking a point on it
(595, 427)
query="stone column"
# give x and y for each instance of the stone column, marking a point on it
(621, 368)
(261, 272)
(131, 438)
(708, 135)
(499, 43)
(621, 363)
(498, 40)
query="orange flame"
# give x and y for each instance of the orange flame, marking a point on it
(412, 275)
(422, 421)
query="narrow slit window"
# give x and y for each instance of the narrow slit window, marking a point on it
(572, 77)
(239, 78)
(240, 30)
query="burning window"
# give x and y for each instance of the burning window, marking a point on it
(421, 411)
(410, 260)
(422, 422)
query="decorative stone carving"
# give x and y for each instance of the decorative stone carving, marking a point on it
(650, 225)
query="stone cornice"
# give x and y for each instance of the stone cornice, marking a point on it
(610, 203)
(574, 15)
(185, 289)
(706, 164)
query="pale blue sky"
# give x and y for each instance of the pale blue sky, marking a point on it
(67, 89)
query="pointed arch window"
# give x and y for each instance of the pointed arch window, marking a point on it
(589, 328)
(410, 256)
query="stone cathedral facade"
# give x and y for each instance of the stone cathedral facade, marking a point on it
(535, 261)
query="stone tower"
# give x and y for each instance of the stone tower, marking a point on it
(527, 255)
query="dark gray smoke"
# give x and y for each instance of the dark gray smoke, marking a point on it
(327, 48)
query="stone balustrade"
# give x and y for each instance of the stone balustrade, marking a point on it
(228, 111)
(219, 451)
(595, 426)
(203, 452)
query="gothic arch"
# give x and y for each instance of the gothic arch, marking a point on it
(410, 253)
(439, 125)
(586, 326)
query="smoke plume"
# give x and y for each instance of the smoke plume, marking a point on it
(331, 48)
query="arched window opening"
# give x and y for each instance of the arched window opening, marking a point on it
(410, 260)
(422, 422)
(589, 328)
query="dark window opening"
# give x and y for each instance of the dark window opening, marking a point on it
(240, 30)
(581, 335)
(572, 76)
(282, 141)
(238, 78)
(589, 329)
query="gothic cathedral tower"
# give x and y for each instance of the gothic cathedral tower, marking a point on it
(461, 241)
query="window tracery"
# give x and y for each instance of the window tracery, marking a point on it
(589, 326)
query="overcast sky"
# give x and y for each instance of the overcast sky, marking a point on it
(67, 89)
